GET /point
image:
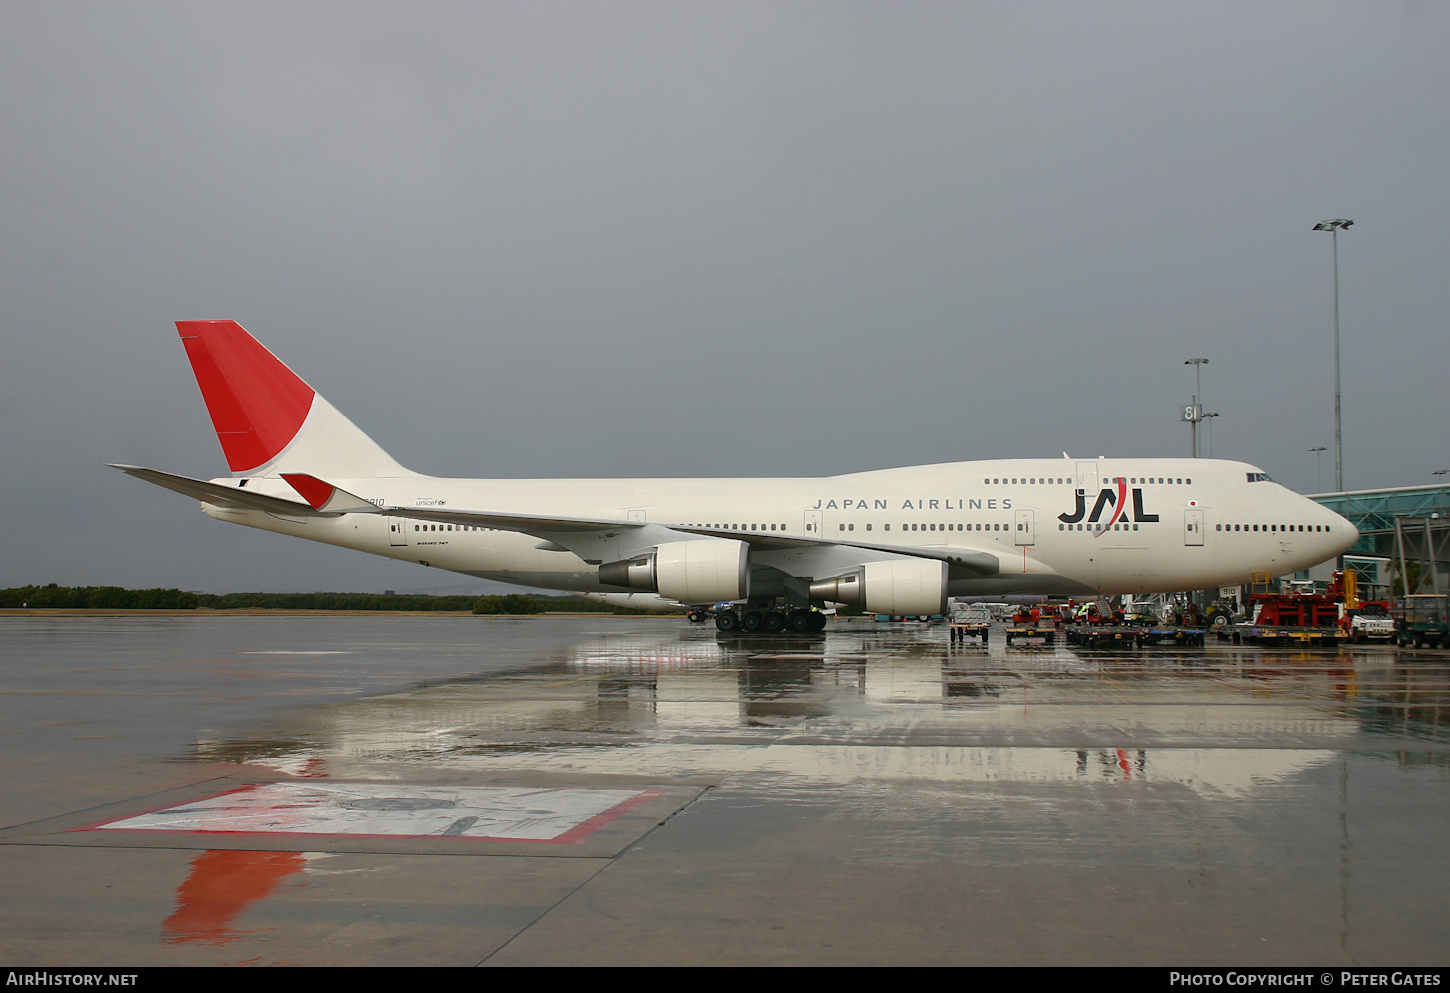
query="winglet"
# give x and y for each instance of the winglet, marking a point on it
(325, 497)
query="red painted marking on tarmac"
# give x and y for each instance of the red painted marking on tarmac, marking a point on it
(220, 888)
(577, 834)
(141, 813)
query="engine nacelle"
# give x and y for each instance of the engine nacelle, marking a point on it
(705, 570)
(897, 586)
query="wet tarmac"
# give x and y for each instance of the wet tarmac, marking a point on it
(462, 790)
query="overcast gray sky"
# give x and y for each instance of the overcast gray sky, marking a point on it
(733, 238)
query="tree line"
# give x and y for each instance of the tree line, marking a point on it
(97, 598)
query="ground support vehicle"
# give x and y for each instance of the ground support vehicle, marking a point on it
(1045, 634)
(1423, 621)
(970, 621)
(1288, 618)
(1370, 621)
(1306, 618)
(1134, 636)
(961, 634)
(1267, 634)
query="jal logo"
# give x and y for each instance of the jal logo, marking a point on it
(1112, 499)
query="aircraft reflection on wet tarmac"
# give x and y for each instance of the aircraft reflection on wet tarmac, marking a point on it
(893, 703)
(867, 796)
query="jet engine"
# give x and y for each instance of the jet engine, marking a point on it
(705, 570)
(896, 586)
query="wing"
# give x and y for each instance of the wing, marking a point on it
(324, 496)
(323, 499)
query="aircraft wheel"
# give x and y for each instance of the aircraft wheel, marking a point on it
(727, 620)
(800, 621)
(752, 621)
(818, 621)
(774, 622)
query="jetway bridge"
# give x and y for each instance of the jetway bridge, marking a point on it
(1409, 525)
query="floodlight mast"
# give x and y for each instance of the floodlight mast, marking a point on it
(1333, 226)
(1198, 365)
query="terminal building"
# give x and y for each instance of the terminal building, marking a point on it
(1404, 531)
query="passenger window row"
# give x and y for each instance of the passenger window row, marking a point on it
(1321, 528)
(1035, 481)
(1096, 527)
(1318, 528)
(740, 527)
(935, 527)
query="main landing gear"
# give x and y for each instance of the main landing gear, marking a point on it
(754, 619)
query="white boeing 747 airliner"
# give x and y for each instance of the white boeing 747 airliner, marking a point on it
(895, 541)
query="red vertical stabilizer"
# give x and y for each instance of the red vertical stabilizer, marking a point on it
(257, 404)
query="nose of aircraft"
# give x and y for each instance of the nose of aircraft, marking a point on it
(1341, 536)
(1344, 531)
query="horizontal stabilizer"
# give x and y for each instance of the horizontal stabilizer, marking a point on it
(222, 496)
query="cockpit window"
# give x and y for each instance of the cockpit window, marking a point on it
(1259, 477)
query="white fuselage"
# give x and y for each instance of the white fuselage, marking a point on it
(1175, 523)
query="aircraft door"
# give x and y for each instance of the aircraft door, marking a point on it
(1193, 527)
(397, 531)
(1087, 478)
(1025, 532)
(813, 524)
